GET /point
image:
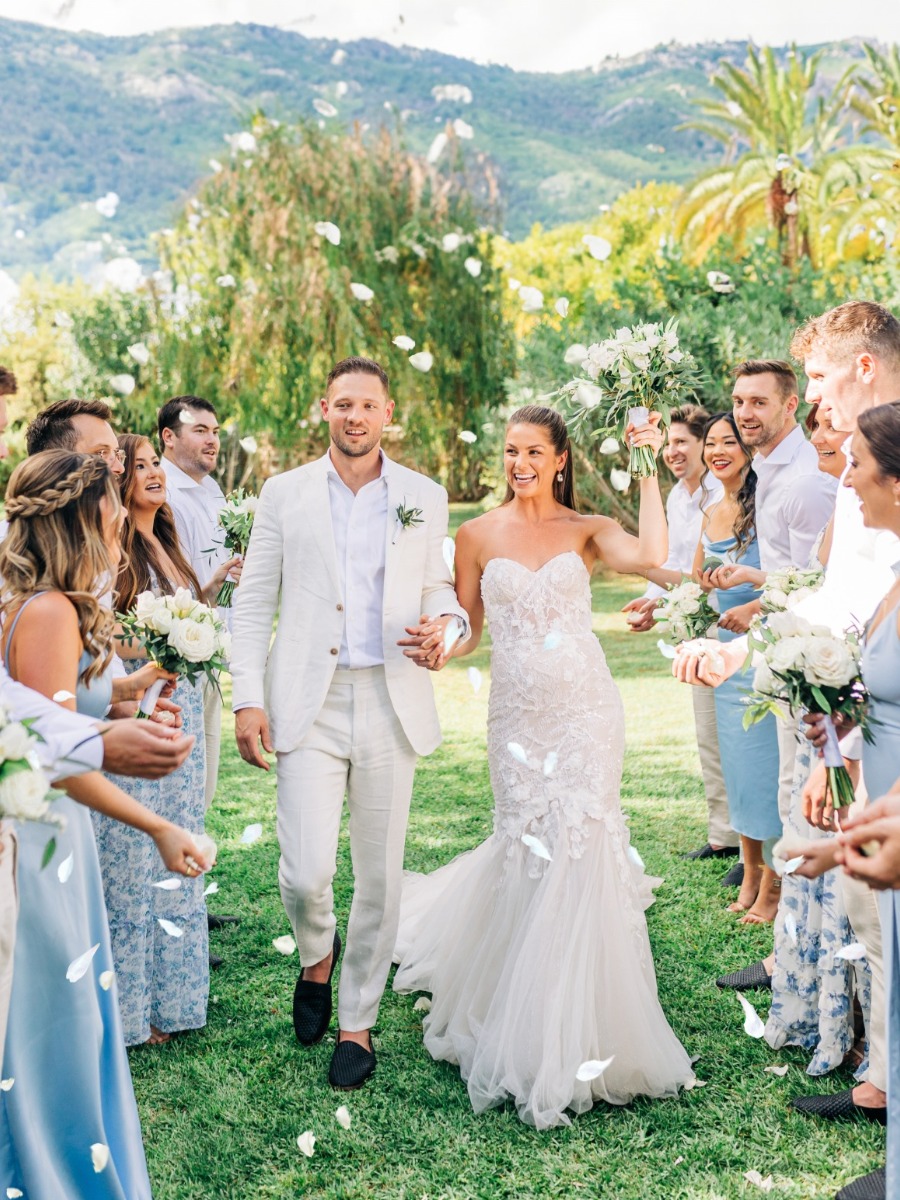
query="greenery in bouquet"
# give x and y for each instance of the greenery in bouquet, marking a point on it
(684, 613)
(640, 370)
(180, 634)
(25, 791)
(806, 668)
(786, 588)
(236, 522)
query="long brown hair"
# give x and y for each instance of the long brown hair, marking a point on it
(745, 525)
(553, 422)
(140, 562)
(55, 542)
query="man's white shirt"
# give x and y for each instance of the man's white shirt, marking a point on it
(794, 502)
(196, 508)
(684, 516)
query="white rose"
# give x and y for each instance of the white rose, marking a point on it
(162, 620)
(764, 681)
(787, 654)
(182, 602)
(776, 598)
(15, 742)
(251, 504)
(224, 644)
(829, 662)
(23, 795)
(145, 606)
(787, 624)
(192, 640)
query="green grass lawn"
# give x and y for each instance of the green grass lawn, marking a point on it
(222, 1108)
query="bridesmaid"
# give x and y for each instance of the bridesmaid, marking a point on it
(163, 977)
(749, 757)
(64, 1045)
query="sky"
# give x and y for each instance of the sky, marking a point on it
(534, 35)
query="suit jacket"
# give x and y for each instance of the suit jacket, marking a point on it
(291, 559)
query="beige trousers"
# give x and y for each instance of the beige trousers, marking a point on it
(720, 831)
(356, 748)
(862, 906)
(9, 912)
(212, 732)
(787, 757)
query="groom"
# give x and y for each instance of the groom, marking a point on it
(351, 547)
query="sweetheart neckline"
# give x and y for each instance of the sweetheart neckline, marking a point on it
(535, 570)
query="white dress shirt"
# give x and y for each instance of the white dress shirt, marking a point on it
(359, 524)
(196, 508)
(794, 500)
(685, 520)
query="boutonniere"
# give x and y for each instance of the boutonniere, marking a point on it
(407, 518)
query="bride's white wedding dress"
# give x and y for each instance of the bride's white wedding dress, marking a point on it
(538, 966)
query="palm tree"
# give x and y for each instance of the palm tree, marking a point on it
(787, 161)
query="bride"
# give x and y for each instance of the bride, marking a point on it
(534, 945)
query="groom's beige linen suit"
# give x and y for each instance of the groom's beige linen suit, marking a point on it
(348, 713)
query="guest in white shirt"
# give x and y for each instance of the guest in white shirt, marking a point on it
(683, 455)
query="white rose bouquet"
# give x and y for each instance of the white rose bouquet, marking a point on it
(181, 635)
(25, 791)
(626, 376)
(684, 613)
(806, 668)
(236, 521)
(786, 588)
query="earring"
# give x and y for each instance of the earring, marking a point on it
(559, 479)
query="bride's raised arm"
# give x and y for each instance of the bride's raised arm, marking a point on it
(468, 588)
(625, 553)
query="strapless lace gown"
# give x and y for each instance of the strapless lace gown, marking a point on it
(536, 966)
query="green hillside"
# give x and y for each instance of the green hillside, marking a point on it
(82, 115)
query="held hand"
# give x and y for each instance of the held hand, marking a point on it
(425, 644)
(818, 857)
(711, 666)
(731, 575)
(870, 851)
(143, 748)
(738, 619)
(816, 731)
(167, 713)
(177, 850)
(641, 613)
(886, 808)
(226, 570)
(251, 727)
(646, 435)
(133, 686)
(816, 800)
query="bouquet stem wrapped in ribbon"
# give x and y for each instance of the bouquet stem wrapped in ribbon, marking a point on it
(181, 635)
(236, 521)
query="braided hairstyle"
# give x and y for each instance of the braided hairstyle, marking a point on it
(55, 542)
(745, 525)
(557, 431)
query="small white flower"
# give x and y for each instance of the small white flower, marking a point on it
(241, 143)
(720, 282)
(462, 129)
(451, 242)
(106, 206)
(453, 93)
(226, 281)
(361, 292)
(329, 231)
(473, 266)
(15, 740)
(193, 640)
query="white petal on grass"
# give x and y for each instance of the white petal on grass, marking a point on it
(324, 107)
(474, 679)
(609, 446)
(123, 384)
(473, 266)
(106, 206)
(592, 1069)
(792, 864)
(437, 148)
(553, 640)
(665, 649)
(99, 1156)
(226, 281)
(550, 762)
(79, 965)
(211, 889)
(753, 1025)
(422, 361)
(851, 953)
(694, 1083)
(249, 445)
(342, 1116)
(536, 846)
(598, 247)
(251, 834)
(754, 1177)
(6, 1084)
(562, 306)
(532, 299)
(790, 927)
(328, 230)
(448, 550)
(64, 870)
(361, 292)
(306, 1143)
(679, 1160)
(170, 927)
(284, 944)
(402, 342)
(463, 129)
(467, 436)
(620, 480)
(423, 1004)
(105, 979)
(517, 752)
(451, 242)
(779, 1071)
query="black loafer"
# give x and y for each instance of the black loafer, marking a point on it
(351, 1065)
(313, 1003)
(214, 962)
(838, 1107)
(746, 980)
(707, 851)
(868, 1187)
(734, 877)
(215, 922)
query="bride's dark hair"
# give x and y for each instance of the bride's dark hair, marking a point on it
(550, 419)
(744, 527)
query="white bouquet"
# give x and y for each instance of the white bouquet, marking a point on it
(785, 588)
(684, 613)
(236, 521)
(179, 633)
(25, 791)
(627, 375)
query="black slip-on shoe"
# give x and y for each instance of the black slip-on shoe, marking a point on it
(214, 962)
(747, 979)
(708, 851)
(734, 877)
(868, 1187)
(838, 1107)
(313, 1003)
(215, 922)
(351, 1065)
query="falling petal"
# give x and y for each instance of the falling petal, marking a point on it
(694, 1083)
(105, 979)
(338, 57)
(170, 927)
(679, 1160)
(665, 649)
(324, 107)
(451, 242)
(437, 147)
(106, 206)
(851, 953)
(720, 282)
(462, 129)
(592, 1069)
(99, 1156)
(620, 480)
(215, 165)
(550, 762)
(753, 1025)
(635, 857)
(361, 292)
(64, 870)
(609, 446)
(575, 354)
(792, 864)
(536, 846)
(168, 885)
(284, 944)
(598, 247)
(211, 889)
(779, 1071)
(79, 965)
(328, 230)
(474, 679)
(473, 266)
(448, 549)
(754, 1177)
(562, 306)
(342, 1116)
(306, 1143)
(251, 834)
(423, 361)
(226, 281)
(6, 1084)
(553, 640)
(12, 1193)
(123, 384)
(62, 319)
(517, 752)
(208, 849)
(514, 285)
(532, 299)
(248, 445)
(455, 93)
(467, 436)
(402, 342)
(452, 634)
(790, 927)
(423, 1004)
(139, 353)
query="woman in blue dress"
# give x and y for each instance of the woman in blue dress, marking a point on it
(64, 1048)
(749, 756)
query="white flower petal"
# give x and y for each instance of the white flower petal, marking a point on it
(215, 165)
(553, 640)
(592, 1069)
(211, 889)
(467, 436)
(536, 846)
(575, 354)
(513, 284)
(361, 292)
(226, 281)
(284, 944)
(462, 129)
(64, 870)
(851, 953)
(562, 306)
(324, 107)
(105, 979)
(79, 965)
(251, 834)
(306, 1143)
(13, 1193)
(473, 266)
(328, 230)
(474, 676)
(168, 885)
(342, 1116)
(620, 480)
(448, 549)
(792, 864)
(609, 446)
(665, 649)
(106, 206)
(339, 57)
(532, 299)
(99, 1156)
(208, 849)
(517, 752)
(437, 148)
(402, 342)
(170, 927)
(248, 445)
(6, 1084)
(423, 361)
(598, 247)
(451, 242)
(779, 1071)
(754, 1177)
(423, 1004)
(753, 1025)
(550, 762)
(123, 384)
(139, 353)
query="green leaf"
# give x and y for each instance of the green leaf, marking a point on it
(49, 851)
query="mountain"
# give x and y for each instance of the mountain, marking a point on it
(84, 115)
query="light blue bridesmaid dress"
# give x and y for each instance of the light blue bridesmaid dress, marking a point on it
(749, 756)
(64, 1045)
